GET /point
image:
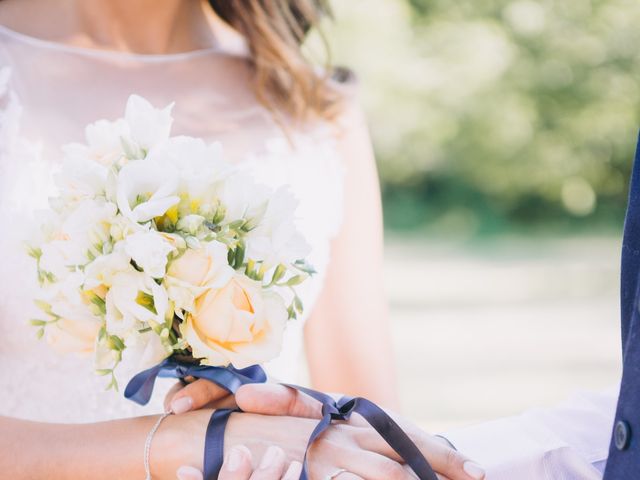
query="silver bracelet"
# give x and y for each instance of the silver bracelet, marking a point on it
(147, 444)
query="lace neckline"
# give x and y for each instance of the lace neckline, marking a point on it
(113, 54)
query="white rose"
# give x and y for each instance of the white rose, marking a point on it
(239, 324)
(149, 250)
(196, 271)
(148, 126)
(146, 189)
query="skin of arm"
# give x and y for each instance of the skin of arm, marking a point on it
(347, 335)
(106, 450)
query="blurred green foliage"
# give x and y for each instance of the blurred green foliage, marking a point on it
(494, 114)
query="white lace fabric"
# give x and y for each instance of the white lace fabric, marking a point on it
(48, 94)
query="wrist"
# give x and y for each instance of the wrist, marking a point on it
(179, 441)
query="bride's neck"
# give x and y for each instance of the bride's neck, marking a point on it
(140, 26)
(145, 26)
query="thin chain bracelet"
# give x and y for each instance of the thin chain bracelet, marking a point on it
(147, 444)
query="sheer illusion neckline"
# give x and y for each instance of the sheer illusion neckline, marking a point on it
(113, 54)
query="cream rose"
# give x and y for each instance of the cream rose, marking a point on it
(197, 271)
(238, 324)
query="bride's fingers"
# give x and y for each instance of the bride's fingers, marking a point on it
(188, 473)
(199, 394)
(347, 476)
(272, 465)
(273, 399)
(293, 472)
(238, 464)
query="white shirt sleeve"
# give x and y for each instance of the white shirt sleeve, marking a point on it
(570, 441)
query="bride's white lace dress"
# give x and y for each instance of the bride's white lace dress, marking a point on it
(48, 93)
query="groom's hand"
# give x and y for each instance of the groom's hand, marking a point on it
(273, 399)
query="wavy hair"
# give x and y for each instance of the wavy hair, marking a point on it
(285, 81)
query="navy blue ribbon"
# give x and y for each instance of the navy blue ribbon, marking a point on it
(140, 388)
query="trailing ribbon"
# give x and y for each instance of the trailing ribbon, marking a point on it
(140, 388)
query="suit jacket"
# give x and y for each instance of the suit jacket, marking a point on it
(624, 451)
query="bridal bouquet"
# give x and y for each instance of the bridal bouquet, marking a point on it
(157, 253)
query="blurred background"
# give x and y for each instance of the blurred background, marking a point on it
(505, 132)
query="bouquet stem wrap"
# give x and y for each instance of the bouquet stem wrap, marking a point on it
(141, 386)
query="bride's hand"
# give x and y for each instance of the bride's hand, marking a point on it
(238, 465)
(272, 399)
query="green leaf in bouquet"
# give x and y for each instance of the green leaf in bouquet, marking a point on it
(116, 343)
(37, 323)
(219, 214)
(297, 303)
(44, 306)
(291, 312)
(34, 252)
(296, 280)
(278, 273)
(238, 257)
(305, 267)
(40, 333)
(145, 300)
(236, 225)
(98, 302)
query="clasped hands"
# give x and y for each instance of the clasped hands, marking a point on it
(268, 440)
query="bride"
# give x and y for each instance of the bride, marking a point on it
(236, 73)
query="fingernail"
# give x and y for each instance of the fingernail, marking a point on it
(189, 473)
(234, 460)
(270, 457)
(473, 470)
(293, 472)
(181, 405)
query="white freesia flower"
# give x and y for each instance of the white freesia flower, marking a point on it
(243, 198)
(148, 126)
(80, 179)
(149, 250)
(104, 143)
(101, 271)
(276, 238)
(77, 328)
(143, 351)
(147, 189)
(133, 300)
(77, 237)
